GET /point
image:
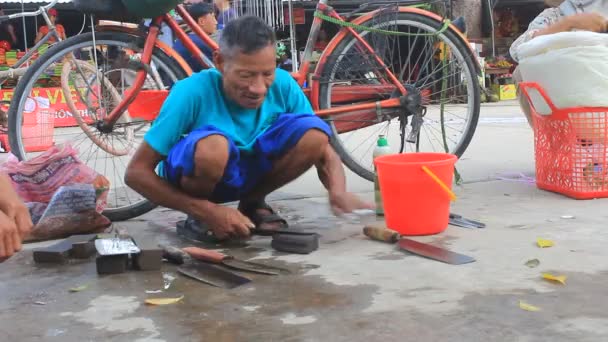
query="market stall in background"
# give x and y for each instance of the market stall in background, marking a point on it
(503, 22)
(18, 37)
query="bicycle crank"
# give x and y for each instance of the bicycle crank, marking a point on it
(417, 121)
(411, 105)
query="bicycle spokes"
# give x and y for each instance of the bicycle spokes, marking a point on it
(441, 105)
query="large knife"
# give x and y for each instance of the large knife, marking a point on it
(434, 252)
(384, 234)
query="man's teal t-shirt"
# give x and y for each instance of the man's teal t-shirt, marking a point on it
(199, 101)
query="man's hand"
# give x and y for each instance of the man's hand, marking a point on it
(226, 222)
(593, 22)
(346, 202)
(10, 240)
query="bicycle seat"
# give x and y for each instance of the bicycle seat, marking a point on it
(104, 9)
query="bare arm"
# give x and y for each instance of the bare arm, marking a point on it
(15, 220)
(592, 22)
(331, 174)
(39, 37)
(13, 206)
(7, 193)
(551, 21)
(141, 177)
(11, 31)
(331, 171)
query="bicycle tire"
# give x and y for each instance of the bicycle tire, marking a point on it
(60, 49)
(341, 48)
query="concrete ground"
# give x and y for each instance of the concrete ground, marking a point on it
(354, 289)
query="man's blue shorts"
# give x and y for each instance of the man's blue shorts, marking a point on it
(243, 171)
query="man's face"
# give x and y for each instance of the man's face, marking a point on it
(208, 23)
(247, 78)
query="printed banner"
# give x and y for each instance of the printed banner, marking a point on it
(57, 104)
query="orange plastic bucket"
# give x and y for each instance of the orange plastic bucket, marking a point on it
(415, 203)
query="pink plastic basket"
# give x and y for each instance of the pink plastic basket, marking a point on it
(570, 146)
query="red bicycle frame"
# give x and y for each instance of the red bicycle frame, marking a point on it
(342, 94)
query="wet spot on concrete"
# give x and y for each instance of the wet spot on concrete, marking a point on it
(115, 314)
(518, 226)
(396, 255)
(292, 319)
(308, 267)
(254, 250)
(586, 325)
(54, 332)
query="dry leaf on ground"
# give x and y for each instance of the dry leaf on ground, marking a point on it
(163, 301)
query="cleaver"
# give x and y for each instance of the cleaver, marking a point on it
(433, 252)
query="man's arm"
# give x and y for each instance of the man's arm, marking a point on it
(331, 173)
(141, 177)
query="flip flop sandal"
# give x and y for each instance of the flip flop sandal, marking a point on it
(195, 230)
(258, 219)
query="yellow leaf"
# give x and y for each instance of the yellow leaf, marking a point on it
(163, 301)
(79, 288)
(528, 307)
(543, 243)
(560, 279)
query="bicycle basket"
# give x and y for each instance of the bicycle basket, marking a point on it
(150, 8)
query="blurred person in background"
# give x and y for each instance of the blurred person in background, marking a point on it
(7, 34)
(44, 29)
(225, 12)
(563, 16)
(204, 15)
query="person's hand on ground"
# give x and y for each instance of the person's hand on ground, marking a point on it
(226, 222)
(347, 202)
(10, 240)
(593, 22)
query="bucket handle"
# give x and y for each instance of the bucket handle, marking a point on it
(439, 182)
(525, 86)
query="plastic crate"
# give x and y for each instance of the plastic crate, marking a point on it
(37, 131)
(570, 146)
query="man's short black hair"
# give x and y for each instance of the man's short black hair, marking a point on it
(200, 9)
(247, 34)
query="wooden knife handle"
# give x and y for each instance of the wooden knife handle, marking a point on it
(205, 254)
(381, 234)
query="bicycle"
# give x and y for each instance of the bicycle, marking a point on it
(17, 70)
(360, 84)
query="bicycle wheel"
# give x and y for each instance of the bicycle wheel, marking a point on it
(105, 72)
(433, 64)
